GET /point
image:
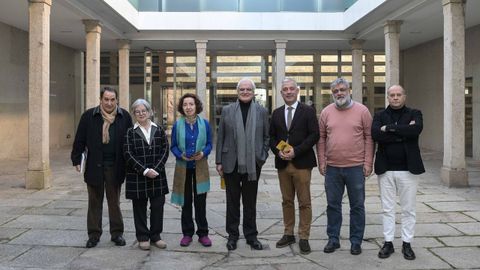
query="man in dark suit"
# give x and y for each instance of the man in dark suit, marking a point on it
(396, 130)
(101, 131)
(296, 124)
(241, 151)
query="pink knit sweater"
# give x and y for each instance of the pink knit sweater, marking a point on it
(345, 137)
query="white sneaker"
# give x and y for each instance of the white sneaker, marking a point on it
(144, 245)
(160, 244)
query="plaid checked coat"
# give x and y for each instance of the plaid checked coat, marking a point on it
(139, 155)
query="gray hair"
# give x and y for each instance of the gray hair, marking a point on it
(143, 102)
(246, 80)
(338, 81)
(288, 79)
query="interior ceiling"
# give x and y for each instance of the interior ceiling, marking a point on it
(422, 21)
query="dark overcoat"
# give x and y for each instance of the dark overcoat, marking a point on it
(139, 156)
(89, 136)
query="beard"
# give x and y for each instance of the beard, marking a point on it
(343, 102)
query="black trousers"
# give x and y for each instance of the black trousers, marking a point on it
(95, 206)
(238, 187)
(156, 218)
(200, 203)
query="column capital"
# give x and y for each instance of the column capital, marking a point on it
(201, 43)
(356, 44)
(447, 2)
(281, 43)
(47, 2)
(92, 26)
(123, 44)
(392, 26)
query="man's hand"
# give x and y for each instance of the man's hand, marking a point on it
(151, 173)
(77, 167)
(220, 169)
(322, 168)
(197, 156)
(289, 153)
(367, 171)
(184, 157)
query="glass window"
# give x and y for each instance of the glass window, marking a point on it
(328, 79)
(299, 58)
(329, 68)
(239, 69)
(379, 58)
(149, 5)
(239, 59)
(259, 6)
(379, 69)
(329, 58)
(347, 69)
(219, 5)
(181, 5)
(379, 79)
(299, 69)
(295, 5)
(346, 58)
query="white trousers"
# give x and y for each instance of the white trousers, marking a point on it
(405, 184)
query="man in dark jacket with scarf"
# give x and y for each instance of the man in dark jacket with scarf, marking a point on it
(101, 131)
(396, 130)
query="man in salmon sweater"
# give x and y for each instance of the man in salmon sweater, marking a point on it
(345, 156)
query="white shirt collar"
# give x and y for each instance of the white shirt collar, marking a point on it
(136, 125)
(294, 105)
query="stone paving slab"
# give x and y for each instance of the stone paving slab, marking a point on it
(459, 257)
(47, 222)
(10, 252)
(10, 233)
(110, 258)
(51, 257)
(160, 259)
(471, 228)
(461, 241)
(473, 214)
(454, 206)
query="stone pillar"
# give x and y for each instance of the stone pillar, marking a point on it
(92, 62)
(79, 85)
(279, 70)
(453, 170)
(369, 81)
(317, 79)
(124, 73)
(38, 174)
(201, 72)
(392, 54)
(357, 72)
(476, 114)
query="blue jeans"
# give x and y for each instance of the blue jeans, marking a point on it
(336, 178)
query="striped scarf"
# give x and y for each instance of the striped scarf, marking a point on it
(201, 166)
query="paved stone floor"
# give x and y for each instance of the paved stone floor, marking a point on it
(46, 229)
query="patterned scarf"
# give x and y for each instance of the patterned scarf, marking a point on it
(108, 119)
(201, 166)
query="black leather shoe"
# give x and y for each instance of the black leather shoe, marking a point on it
(285, 241)
(408, 251)
(355, 249)
(231, 244)
(255, 244)
(386, 250)
(331, 246)
(119, 241)
(304, 246)
(91, 242)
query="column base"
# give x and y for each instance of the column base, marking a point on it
(38, 179)
(454, 177)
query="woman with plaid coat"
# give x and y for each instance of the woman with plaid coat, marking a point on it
(146, 152)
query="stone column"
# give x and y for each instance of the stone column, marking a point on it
(38, 174)
(317, 79)
(280, 46)
(357, 72)
(92, 62)
(476, 114)
(392, 54)
(453, 170)
(369, 81)
(201, 72)
(124, 73)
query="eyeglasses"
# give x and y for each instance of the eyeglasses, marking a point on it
(140, 112)
(245, 89)
(343, 90)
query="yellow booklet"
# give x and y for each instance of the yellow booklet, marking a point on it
(222, 183)
(282, 146)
